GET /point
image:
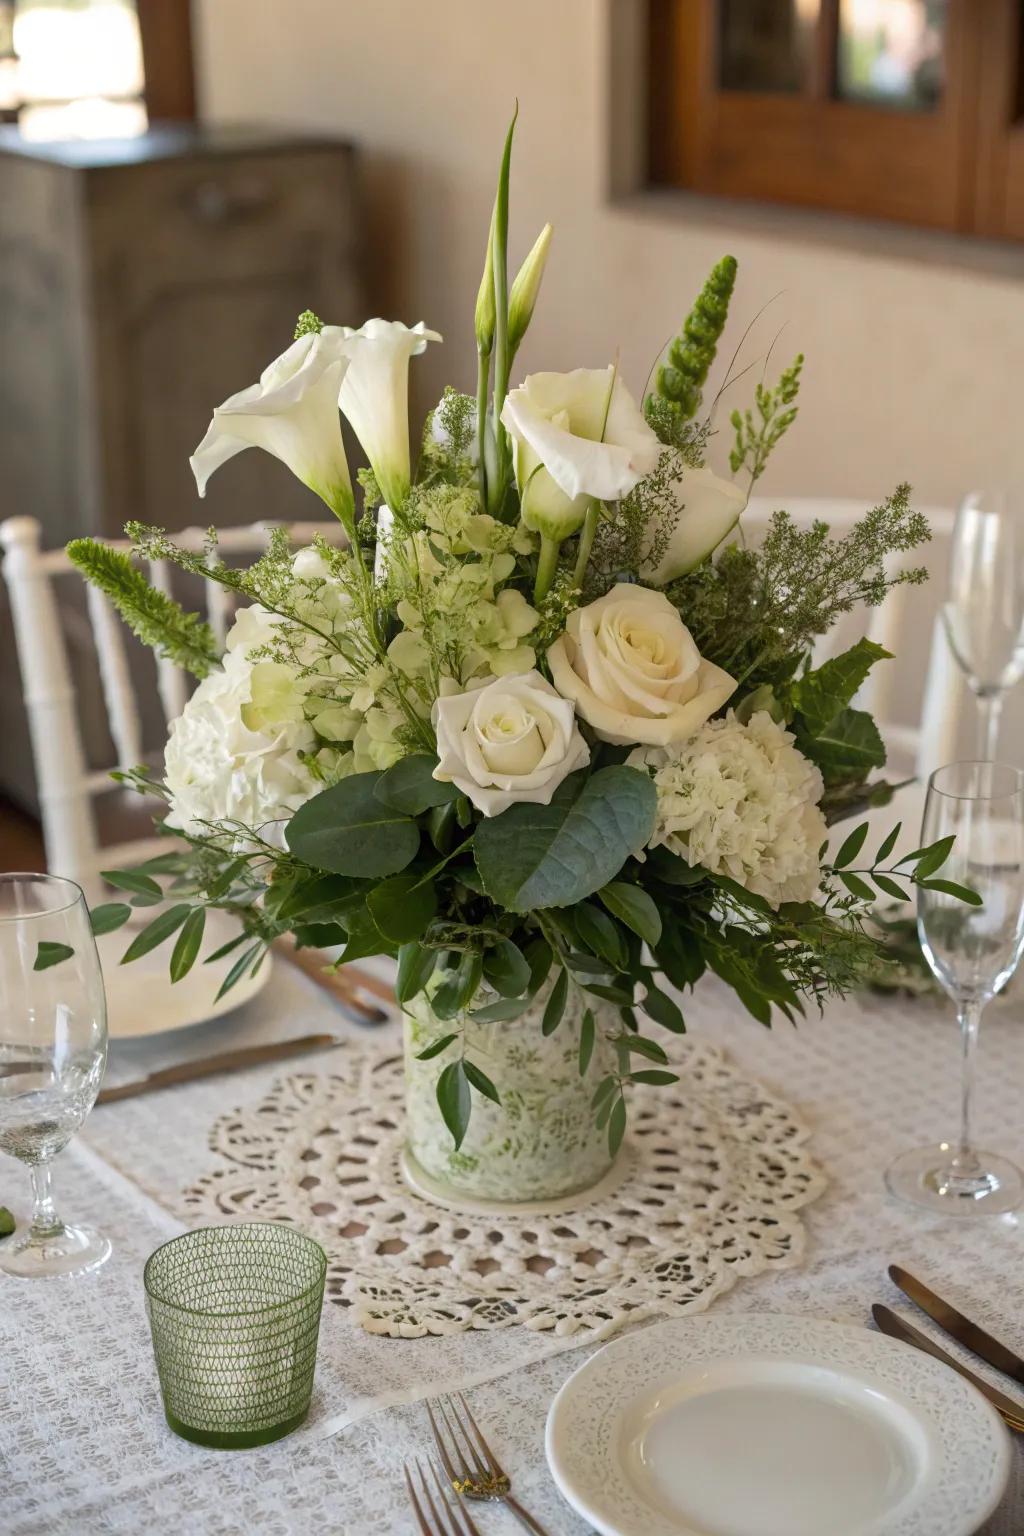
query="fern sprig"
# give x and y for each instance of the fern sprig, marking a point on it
(157, 619)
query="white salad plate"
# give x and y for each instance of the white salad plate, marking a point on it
(142, 999)
(774, 1426)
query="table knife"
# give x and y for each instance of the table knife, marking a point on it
(209, 1066)
(891, 1323)
(958, 1326)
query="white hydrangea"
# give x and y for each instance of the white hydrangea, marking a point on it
(741, 801)
(233, 754)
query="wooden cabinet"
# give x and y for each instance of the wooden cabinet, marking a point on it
(142, 282)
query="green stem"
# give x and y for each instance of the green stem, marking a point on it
(483, 378)
(586, 544)
(502, 360)
(547, 565)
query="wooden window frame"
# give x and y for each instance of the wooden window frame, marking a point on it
(959, 167)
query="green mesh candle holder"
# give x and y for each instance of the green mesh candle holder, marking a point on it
(235, 1315)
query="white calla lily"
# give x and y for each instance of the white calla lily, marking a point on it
(292, 413)
(374, 397)
(585, 429)
(708, 509)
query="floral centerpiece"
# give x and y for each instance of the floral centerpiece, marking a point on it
(543, 728)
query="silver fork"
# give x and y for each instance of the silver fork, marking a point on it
(471, 1465)
(455, 1520)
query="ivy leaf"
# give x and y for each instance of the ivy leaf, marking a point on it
(454, 1100)
(507, 969)
(49, 953)
(402, 907)
(819, 696)
(632, 906)
(555, 1006)
(435, 1047)
(588, 1034)
(851, 847)
(848, 747)
(157, 932)
(409, 785)
(952, 888)
(187, 945)
(536, 856)
(481, 1082)
(415, 968)
(108, 916)
(347, 830)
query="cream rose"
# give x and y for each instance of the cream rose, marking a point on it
(629, 664)
(506, 740)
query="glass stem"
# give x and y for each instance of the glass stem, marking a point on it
(45, 1221)
(969, 1015)
(990, 708)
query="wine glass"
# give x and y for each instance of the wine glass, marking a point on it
(53, 1048)
(984, 615)
(973, 951)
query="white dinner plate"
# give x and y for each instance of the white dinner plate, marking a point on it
(774, 1426)
(142, 999)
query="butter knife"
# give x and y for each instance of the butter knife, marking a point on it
(209, 1066)
(891, 1323)
(957, 1325)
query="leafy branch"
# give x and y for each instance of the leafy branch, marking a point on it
(155, 617)
(775, 414)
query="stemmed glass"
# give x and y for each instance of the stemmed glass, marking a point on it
(984, 615)
(53, 1048)
(973, 951)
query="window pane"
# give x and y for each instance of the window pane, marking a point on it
(891, 52)
(766, 44)
(78, 69)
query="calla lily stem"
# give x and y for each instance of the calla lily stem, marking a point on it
(586, 544)
(547, 565)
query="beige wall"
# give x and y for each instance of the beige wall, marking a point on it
(915, 366)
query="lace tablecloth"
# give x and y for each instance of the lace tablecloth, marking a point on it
(83, 1445)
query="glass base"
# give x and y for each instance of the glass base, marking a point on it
(935, 1179)
(67, 1252)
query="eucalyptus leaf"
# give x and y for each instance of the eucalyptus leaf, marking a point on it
(347, 830)
(857, 887)
(890, 887)
(415, 967)
(604, 1089)
(132, 880)
(409, 785)
(851, 847)
(641, 1046)
(654, 1077)
(888, 844)
(252, 956)
(536, 856)
(953, 888)
(402, 907)
(538, 956)
(481, 1082)
(555, 1006)
(503, 1011)
(616, 1125)
(588, 1034)
(916, 855)
(435, 1047)
(597, 931)
(661, 1008)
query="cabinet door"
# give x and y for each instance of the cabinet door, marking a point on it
(200, 269)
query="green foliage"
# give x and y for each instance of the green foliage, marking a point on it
(846, 749)
(680, 380)
(49, 953)
(756, 612)
(410, 787)
(536, 856)
(402, 907)
(349, 830)
(109, 916)
(7, 1222)
(157, 619)
(759, 431)
(821, 693)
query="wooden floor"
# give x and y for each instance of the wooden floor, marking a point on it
(21, 843)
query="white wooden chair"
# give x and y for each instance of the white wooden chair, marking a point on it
(67, 784)
(918, 698)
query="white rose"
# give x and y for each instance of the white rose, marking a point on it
(292, 413)
(507, 740)
(578, 436)
(629, 664)
(233, 754)
(708, 509)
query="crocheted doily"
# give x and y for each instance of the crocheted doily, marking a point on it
(717, 1172)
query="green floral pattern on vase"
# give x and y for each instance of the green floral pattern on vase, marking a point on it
(541, 1141)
